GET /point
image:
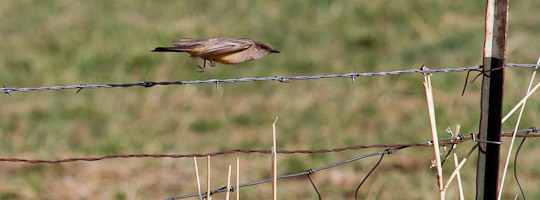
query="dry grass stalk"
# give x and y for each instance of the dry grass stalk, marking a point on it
(228, 184)
(274, 161)
(208, 197)
(456, 163)
(529, 93)
(237, 178)
(431, 110)
(197, 175)
(515, 130)
(456, 171)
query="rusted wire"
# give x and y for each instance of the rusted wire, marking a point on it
(455, 140)
(444, 141)
(311, 171)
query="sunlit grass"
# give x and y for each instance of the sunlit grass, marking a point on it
(71, 42)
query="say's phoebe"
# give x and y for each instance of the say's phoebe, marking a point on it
(222, 50)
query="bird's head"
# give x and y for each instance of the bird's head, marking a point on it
(264, 49)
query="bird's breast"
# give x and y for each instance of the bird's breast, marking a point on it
(234, 58)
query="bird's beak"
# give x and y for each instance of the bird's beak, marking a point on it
(274, 51)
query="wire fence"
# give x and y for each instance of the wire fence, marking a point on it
(283, 79)
(452, 140)
(308, 172)
(391, 149)
(443, 141)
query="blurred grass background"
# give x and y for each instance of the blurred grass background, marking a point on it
(45, 43)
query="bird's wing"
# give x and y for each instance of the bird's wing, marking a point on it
(229, 46)
(190, 45)
(187, 42)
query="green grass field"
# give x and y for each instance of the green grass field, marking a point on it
(46, 43)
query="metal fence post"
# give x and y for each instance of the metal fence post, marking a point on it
(492, 98)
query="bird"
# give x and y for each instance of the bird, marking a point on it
(222, 50)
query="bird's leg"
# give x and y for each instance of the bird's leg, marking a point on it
(202, 68)
(212, 63)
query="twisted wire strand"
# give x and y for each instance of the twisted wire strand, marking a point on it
(396, 147)
(233, 80)
(442, 141)
(223, 189)
(284, 79)
(457, 139)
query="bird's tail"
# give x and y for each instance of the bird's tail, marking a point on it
(168, 49)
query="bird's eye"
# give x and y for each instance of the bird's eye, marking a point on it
(264, 47)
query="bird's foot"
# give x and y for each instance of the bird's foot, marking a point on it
(212, 63)
(202, 69)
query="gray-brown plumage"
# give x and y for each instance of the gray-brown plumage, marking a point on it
(222, 50)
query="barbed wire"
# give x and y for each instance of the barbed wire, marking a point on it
(454, 140)
(443, 141)
(521, 65)
(283, 79)
(310, 171)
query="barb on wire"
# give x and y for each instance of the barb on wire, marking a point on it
(282, 79)
(442, 141)
(5, 90)
(224, 189)
(388, 151)
(352, 77)
(82, 87)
